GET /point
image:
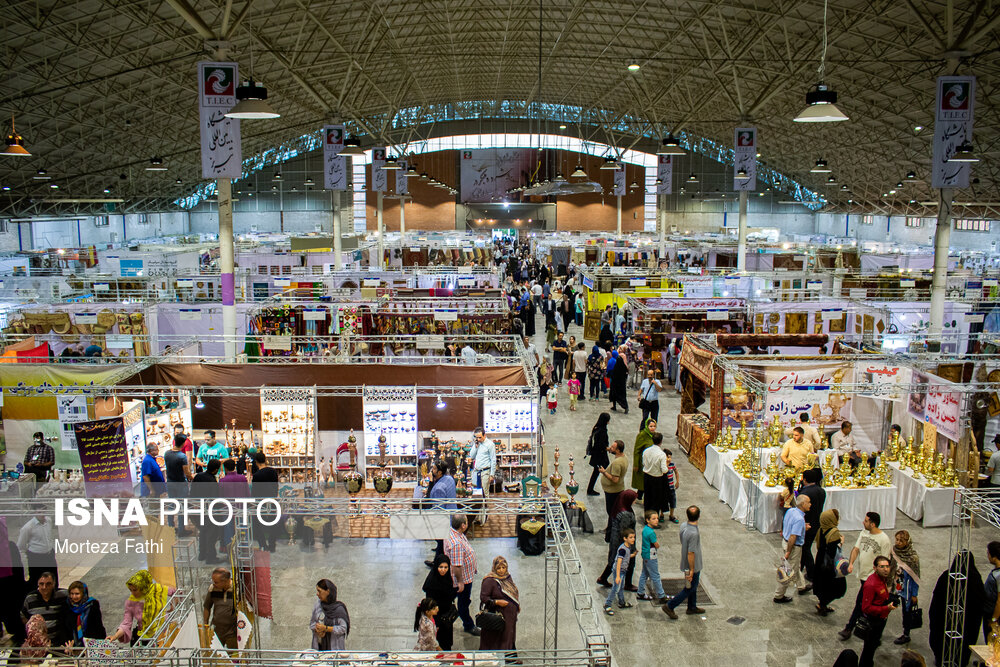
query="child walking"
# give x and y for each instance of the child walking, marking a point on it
(573, 386)
(618, 571)
(673, 483)
(650, 565)
(553, 400)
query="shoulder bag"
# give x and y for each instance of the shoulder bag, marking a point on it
(490, 621)
(914, 617)
(644, 404)
(863, 627)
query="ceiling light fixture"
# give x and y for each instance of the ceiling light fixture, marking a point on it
(578, 172)
(252, 104)
(198, 402)
(844, 186)
(309, 181)
(423, 176)
(610, 164)
(352, 146)
(15, 142)
(742, 174)
(440, 405)
(693, 178)
(411, 170)
(900, 184)
(391, 164)
(633, 66)
(821, 167)
(41, 175)
(156, 164)
(821, 102)
(831, 180)
(964, 153)
(562, 126)
(54, 186)
(911, 175)
(917, 128)
(277, 177)
(671, 146)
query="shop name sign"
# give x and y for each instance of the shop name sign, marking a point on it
(130, 512)
(277, 343)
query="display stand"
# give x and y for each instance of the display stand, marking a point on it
(162, 413)
(288, 431)
(510, 419)
(392, 411)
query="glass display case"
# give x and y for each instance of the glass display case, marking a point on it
(288, 431)
(392, 412)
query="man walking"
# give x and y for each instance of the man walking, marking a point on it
(613, 479)
(178, 470)
(871, 543)
(220, 604)
(793, 533)
(36, 542)
(817, 499)
(463, 569)
(649, 397)
(265, 485)
(50, 602)
(690, 564)
(876, 604)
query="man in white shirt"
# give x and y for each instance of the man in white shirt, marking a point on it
(843, 442)
(536, 294)
(468, 355)
(871, 543)
(532, 353)
(809, 431)
(39, 548)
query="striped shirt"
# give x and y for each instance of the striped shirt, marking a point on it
(458, 549)
(671, 476)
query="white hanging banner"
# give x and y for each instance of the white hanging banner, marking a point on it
(745, 157)
(378, 173)
(956, 96)
(402, 183)
(665, 174)
(334, 164)
(221, 152)
(619, 189)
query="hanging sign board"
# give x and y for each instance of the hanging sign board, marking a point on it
(371, 282)
(716, 314)
(277, 343)
(974, 318)
(334, 164)
(907, 283)
(858, 293)
(637, 282)
(664, 174)
(190, 314)
(956, 96)
(430, 342)
(86, 318)
(282, 282)
(745, 158)
(185, 282)
(102, 287)
(118, 341)
(379, 177)
(445, 315)
(221, 151)
(314, 314)
(814, 284)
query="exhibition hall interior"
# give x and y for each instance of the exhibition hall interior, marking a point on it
(369, 334)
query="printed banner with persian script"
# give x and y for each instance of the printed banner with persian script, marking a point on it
(379, 177)
(745, 157)
(956, 96)
(334, 164)
(665, 174)
(808, 388)
(221, 151)
(488, 173)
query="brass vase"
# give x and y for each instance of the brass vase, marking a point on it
(354, 481)
(555, 479)
(382, 477)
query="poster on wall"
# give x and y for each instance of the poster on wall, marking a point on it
(488, 173)
(104, 457)
(808, 388)
(71, 409)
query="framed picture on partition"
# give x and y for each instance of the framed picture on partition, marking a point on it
(993, 405)
(950, 372)
(592, 326)
(839, 325)
(796, 323)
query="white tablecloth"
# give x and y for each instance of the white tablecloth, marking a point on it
(716, 461)
(853, 504)
(933, 505)
(767, 514)
(729, 485)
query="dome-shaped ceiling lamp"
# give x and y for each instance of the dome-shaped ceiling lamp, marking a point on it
(391, 164)
(251, 98)
(964, 153)
(156, 164)
(352, 146)
(821, 102)
(821, 167)
(671, 146)
(610, 164)
(578, 172)
(15, 142)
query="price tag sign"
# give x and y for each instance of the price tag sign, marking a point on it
(86, 318)
(430, 342)
(102, 287)
(282, 282)
(314, 314)
(717, 314)
(277, 343)
(370, 282)
(445, 315)
(414, 249)
(466, 282)
(859, 293)
(974, 318)
(907, 283)
(190, 314)
(814, 284)
(185, 282)
(636, 282)
(118, 341)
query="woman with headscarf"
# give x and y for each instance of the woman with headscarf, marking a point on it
(907, 581)
(330, 622)
(618, 372)
(84, 618)
(597, 450)
(974, 597)
(544, 379)
(606, 337)
(642, 441)
(827, 586)
(146, 600)
(624, 517)
(37, 643)
(528, 315)
(439, 588)
(595, 372)
(499, 593)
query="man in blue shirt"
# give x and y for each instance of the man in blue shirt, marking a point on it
(442, 488)
(152, 483)
(793, 533)
(210, 450)
(483, 459)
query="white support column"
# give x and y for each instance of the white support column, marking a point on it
(224, 189)
(741, 248)
(661, 221)
(402, 222)
(619, 198)
(942, 240)
(337, 223)
(381, 230)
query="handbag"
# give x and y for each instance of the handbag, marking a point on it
(784, 571)
(449, 615)
(840, 564)
(645, 404)
(914, 618)
(490, 621)
(863, 627)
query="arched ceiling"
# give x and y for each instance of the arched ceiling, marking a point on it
(100, 87)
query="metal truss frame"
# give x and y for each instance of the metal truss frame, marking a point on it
(970, 504)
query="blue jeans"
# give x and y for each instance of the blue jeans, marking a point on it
(690, 593)
(617, 588)
(651, 569)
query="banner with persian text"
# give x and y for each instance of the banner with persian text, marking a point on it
(488, 173)
(745, 157)
(808, 388)
(221, 150)
(664, 174)
(379, 177)
(334, 164)
(956, 96)
(932, 400)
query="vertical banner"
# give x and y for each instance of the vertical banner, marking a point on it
(334, 164)
(402, 184)
(952, 126)
(378, 173)
(104, 457)
(665, 174)
(619, 189)
(745, 157)
(221, 153)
